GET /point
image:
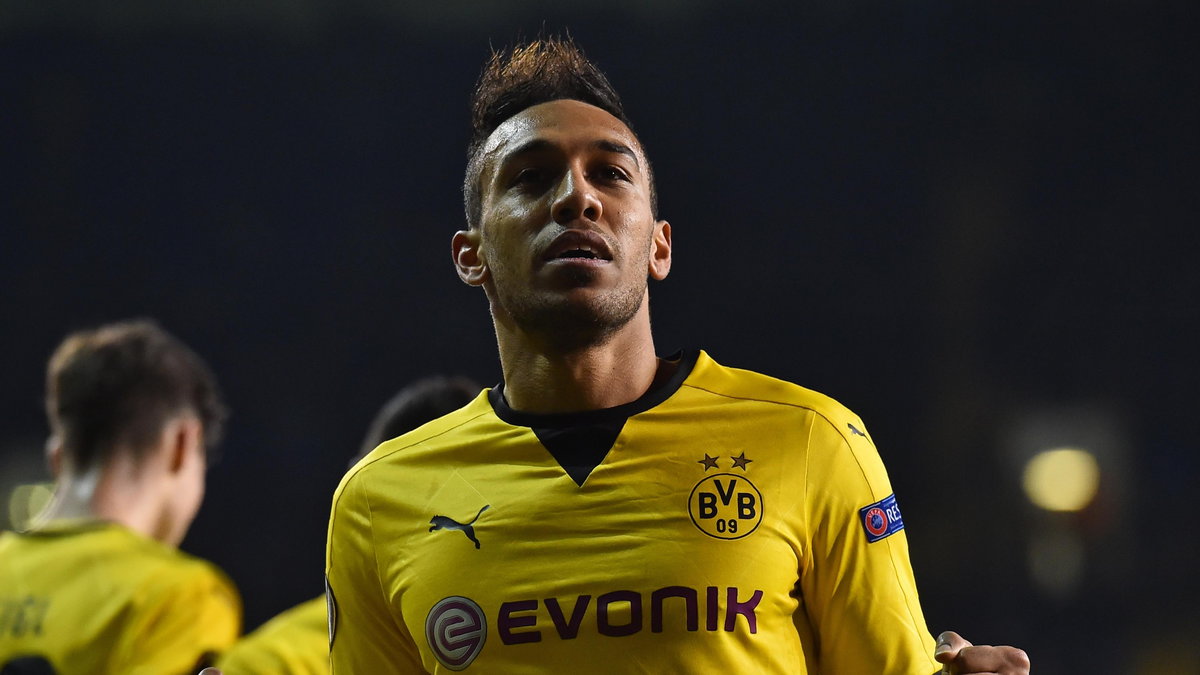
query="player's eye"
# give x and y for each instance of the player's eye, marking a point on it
(612, 173)
(528, 176)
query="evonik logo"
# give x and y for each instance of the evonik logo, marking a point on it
(456, 626)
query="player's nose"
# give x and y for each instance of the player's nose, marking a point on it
(575, 198)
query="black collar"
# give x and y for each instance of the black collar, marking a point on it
(653, 396)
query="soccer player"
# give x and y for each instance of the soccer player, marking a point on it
(604, 509)
(297, 641)
(98, 585)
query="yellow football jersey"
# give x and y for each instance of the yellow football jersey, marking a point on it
(294, 643)
(724, 522)
(89, 597)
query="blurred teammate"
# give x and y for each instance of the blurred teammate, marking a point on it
(605, 510)
(297, 641)
(97, 585)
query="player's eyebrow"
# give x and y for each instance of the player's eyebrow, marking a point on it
(537, 145)
(530, 147)
(611, 146)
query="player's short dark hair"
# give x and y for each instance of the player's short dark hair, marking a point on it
(117, 385)
(526, 75)
(414, 405)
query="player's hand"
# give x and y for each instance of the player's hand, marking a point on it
(963, 658)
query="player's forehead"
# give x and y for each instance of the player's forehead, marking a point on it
(564, 123)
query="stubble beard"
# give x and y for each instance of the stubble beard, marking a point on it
(565, 325)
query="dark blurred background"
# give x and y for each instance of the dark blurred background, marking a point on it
(969, 222)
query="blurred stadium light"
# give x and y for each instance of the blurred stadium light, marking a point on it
(1062, 479)
(26, 502)
(1071, 457)
(1072, 462)
(23, 487)
(1056, 557)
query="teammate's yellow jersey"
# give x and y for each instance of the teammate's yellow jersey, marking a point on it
(89, 597)
(294, 643)
(725, 522)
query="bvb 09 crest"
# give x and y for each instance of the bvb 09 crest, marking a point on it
(726, 506)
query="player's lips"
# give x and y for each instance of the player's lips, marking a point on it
(578, 246)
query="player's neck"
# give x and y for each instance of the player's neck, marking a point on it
(72, 498)
(609, 373)
(118, 493)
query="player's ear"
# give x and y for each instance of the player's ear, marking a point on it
(469, 259)
(184, 437)
(54, 455)
(660, 251)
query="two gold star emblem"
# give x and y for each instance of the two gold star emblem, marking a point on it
(739, 462)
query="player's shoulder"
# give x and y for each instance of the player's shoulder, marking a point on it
(308, 617)
(133, 560)
(167, 570)
(107, 543)
(748, 385)
(295, 640)
(310, 612)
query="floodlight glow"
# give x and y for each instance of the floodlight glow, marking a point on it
(1062, 479)
(27, 502)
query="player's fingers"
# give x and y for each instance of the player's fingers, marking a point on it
(988, 659)
(949, 644)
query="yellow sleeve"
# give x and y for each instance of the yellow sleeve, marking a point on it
(365, 635)
(184, 618)
(860, 596)
(294, 643)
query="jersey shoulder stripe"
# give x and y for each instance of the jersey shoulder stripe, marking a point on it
(749, 385)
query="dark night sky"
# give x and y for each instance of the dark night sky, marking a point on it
(945, 215)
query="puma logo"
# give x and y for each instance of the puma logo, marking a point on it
(448, 523)
(855, 430)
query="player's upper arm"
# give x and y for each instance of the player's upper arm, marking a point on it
(857, 581)
(366, 636)
(182, 619)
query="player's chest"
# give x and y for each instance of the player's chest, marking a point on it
(665, 543)
(656, 512)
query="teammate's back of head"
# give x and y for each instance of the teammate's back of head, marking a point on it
(114, 387)
(133, 413)
(414, 405)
